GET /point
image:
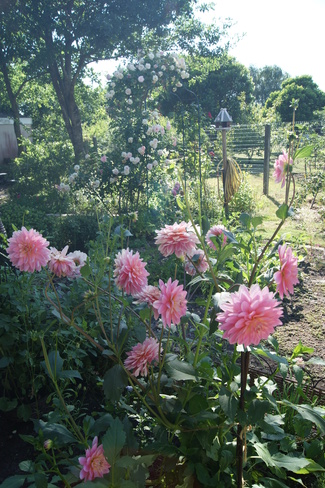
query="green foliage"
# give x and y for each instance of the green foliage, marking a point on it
(266, 80)
(39, 168)
(301, 88)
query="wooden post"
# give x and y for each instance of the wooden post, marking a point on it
(267, 150)
(225, 169)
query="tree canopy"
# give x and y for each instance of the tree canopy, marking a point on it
(63, 36)
(303, 89)
(266, 80)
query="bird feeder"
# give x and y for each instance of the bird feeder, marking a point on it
(223, 122)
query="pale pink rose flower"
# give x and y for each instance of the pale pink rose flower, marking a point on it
(141, 356)
(249, 315)
(60, 264)
(176, 239)
(103, 159)
(142, 150)
(94, 464)
(216, 230)
(281, 168)
(287, 276)
(130, 273)
(27, 250)
(79, 259)
(197, 263)
(171, 304)
(141, 79)
(149, 294)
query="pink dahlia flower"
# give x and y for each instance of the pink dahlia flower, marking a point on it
(216, 230)
(281, 168)
(79, 259)
(196, 263)
(176, 238)
(94, 464)
(27, 250)
(171, 304)
(249, 315)
(287, 276)
(61, 264)
(149, 294)
(141, 356)
(130, 273)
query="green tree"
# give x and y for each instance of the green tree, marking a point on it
(66, 35)
(217, 83)
(266, 80)
(301, 88)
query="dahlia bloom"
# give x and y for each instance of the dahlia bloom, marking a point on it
(149, 294)
(197, 263)
(287, 276)
(176, 238)
(281, 168)
(94, 464)
(249, 315)
(130, 273)
(141, 356)
(216, 230)
(79, 259)
(27, 250)
(171, 304)
(61, 264)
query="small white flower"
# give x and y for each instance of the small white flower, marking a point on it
(129, 101)
(130, 140)
(115, 172)
(136, 160)
(126, 170)
(148, 65)
(163, 67)
(160, 73)
(141, 67)
(179, 84)
(112, 180)
(145, 121)
(141, 79)
(151, 56)
(132, 160)
(76, 167)
(129, 155)
(123, 154)
(149, 166)
(160, 152)
(128, 91)
(155, 78)
(131, 67)
(155, 163)
(87, 156)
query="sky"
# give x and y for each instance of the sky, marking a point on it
(286, 33)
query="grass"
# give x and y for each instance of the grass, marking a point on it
(307, 225)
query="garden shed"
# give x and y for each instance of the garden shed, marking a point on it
(8, 141)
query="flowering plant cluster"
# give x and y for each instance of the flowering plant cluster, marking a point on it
(146, 140)
(171, 362)
(175, 383)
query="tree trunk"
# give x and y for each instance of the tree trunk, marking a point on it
(64, 84)
(12, 100)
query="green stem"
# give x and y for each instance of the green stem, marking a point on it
(50, 372)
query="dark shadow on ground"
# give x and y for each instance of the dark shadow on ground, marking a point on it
(274, 200)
